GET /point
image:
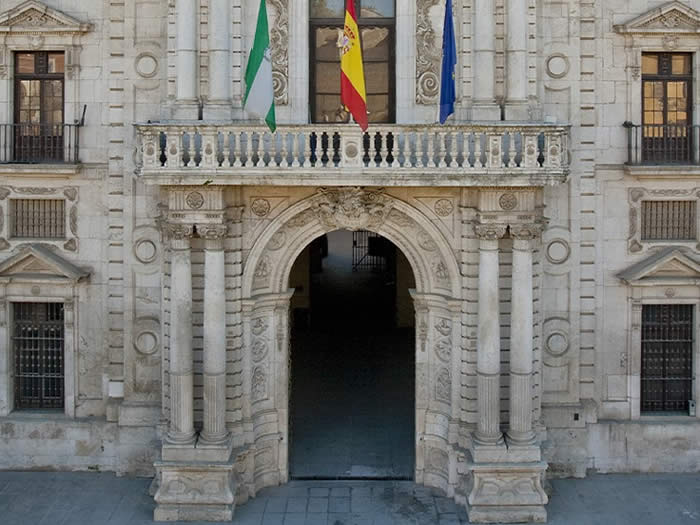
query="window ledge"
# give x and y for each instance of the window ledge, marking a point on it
(671, 418)
(36, 415)
(663, 171)
(45, 170)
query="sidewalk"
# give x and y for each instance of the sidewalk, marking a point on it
(95, 498)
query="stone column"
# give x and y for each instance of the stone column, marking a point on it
(181, 388)
(219, 102)
(488, 360)
(485, 107)
(516, 65)
(214, 430)
(521, 318)
(187, 74)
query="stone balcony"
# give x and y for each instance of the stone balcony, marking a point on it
(473, 154)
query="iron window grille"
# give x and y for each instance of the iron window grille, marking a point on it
(38, 218)
(669, 221)
(38, 345)
(667, 357)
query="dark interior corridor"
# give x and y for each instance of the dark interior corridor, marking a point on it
(352, 362)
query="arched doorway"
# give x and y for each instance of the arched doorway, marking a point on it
(266, 315)
(352, 371)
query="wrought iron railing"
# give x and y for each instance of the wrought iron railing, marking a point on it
(655, 144)
(40, 143)
(527, 148)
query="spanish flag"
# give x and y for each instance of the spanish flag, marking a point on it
(352, 75)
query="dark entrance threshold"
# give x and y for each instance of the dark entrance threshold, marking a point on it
(352, 378)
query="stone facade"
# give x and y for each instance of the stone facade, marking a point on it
(183, 219)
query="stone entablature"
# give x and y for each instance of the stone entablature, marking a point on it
(469, 154)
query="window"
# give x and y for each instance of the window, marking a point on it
(666, 108)
(669, 221)
(38, 135)
(38, 347)
(376, 19)
(667, 364)
(37, 218)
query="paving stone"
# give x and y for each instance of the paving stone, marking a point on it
(319, 492)
(317, 505)
(338, 504)
(276, 505)
(340, 491)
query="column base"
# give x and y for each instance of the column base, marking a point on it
(188, 110)
(506, 485)
(196, 483)
(517, 111)
(481, 111)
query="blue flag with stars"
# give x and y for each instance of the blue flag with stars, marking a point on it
(449, 60)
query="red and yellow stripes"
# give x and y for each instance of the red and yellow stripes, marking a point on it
(352, 75)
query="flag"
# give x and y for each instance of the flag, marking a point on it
(259, 94)
(352, 75)
(449, 60)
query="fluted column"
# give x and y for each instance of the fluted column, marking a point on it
(521, 352)
(214, 429)
(219, 101)
(181, 429)
(485, 107)
(488, 346)
(187, 77)
(516, 63)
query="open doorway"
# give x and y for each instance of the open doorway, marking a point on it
(352, 382)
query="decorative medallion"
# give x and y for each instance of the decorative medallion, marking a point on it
(443, 349)
(259, 384)
(444, 327)
(670, 292)
(557, 65)
(557, 251)
(426, 242)
(443, 386)
(400, 218)
(146, 342)
(302, 219)
(260, 207)
(444, 207)
(259, 326)
(508, 201)
(194, 200)
(279, 238)
(145, 251)
(259, 349)
(557, 343)
(441, 271)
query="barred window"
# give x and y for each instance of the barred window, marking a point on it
(38, 349)
(667, 357)
(669, 220)
(38, 218)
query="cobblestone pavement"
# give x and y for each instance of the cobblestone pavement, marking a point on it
(95, 498)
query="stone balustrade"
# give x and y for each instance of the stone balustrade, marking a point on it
(531, 150)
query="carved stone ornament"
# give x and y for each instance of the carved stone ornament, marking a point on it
(490, 232)
(279, 47)
(194, 200)
(259, 326)
(508, 201)
(4, 192)
(73, 220)
(260, 207)
(443, 207)
(178, 231)
(351, 208)
(71, 245)
(4, 245)
(259, 384)
(525, 232)
(259, 350)
(212, 232)
(427, 55)
(443, 349)
(262, 271)
(443, 386)
(71, 193)
(278, 240)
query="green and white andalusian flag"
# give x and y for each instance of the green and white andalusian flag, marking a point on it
(259, 95)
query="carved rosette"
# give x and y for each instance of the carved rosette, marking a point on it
(351, 208)
(427, 55)
(490, 232)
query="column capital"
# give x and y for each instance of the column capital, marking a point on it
(212, 232)
(526, 232)
(178, 232)
(490, 232)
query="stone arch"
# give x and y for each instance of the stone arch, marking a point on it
(266, 297)
(432, 260)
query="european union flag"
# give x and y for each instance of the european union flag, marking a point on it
(449, 60)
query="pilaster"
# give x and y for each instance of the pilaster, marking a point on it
(485, 107)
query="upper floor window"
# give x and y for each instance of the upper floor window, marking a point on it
(669, 220)
(37, 218)
(39, 97)
(376, 19)
(667, 135)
